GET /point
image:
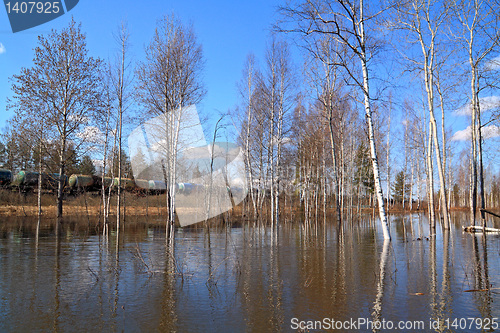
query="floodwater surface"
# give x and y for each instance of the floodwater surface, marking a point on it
(252, 279)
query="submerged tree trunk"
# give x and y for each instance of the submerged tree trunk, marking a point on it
(481, 172)
(60, 188)
(250, 91)
(388, 157)
(120, 87)
(335, 163)
(473, 160)
(430, 184)
(39, 197)
(369, 120)
(429, 87)
(103, 175)
(119, 189)
(443, 136)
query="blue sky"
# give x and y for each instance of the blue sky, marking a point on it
(228, 31)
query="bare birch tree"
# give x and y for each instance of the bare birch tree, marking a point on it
(65, 79)
(423, 20)
(121, 80)
(104, 124)
(248, 90)
(170, 79)
(479, 34)
(278, 86)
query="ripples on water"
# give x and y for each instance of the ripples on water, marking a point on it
(244, 279)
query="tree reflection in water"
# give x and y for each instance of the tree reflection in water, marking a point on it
(248, 278)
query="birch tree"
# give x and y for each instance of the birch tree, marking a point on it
(479, 34)
(65, 79)
(121, 79)
(423, 21)
(104, 125)
(327, 81)
(278, 84)
(170, 80)
(247, 90)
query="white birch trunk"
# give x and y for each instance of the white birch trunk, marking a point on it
(366, 91)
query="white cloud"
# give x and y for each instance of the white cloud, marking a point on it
(78, 118)
(462, 135)
(485, 103)
(91, 134)
(493, 64)
(98, 163)
(491, 131)
(488, 132)
(2, 48)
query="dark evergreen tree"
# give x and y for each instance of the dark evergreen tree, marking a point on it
(400, 188)
(363, 176)
(86, 166)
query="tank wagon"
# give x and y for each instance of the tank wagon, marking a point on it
(28, 180)
(127, 184)
(5, 177)
(87, 183)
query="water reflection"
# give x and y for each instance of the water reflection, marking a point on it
(244, 279)
(377, 307)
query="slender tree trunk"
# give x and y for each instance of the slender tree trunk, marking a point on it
(429, 86)
(281, 112)
(474, 131)
(481, 169)
(388, 157)
(333, 151)
(103, 174)
(60, 189)
(270, 152)
(476, 147)
(412, 166)
(430, 184)
(39, 197)
(247, 138)
(119, 190)
(376, 176)
(405, 164)
(443, 137)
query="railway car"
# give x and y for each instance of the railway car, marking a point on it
(28, 181)
(5, 177)
(188, 188)
(157, 187)
(87, 183)
(126, 183)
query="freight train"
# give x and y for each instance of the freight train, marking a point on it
(27, 181)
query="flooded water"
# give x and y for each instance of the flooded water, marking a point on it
(251, 279)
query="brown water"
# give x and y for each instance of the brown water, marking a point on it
(248, 279)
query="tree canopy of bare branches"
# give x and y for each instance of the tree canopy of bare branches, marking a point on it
(65, 86)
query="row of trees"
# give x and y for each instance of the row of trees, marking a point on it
(314, 140)
(342, 41)
(69, 102)
(20, 154)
